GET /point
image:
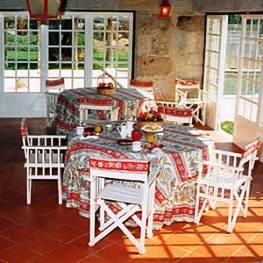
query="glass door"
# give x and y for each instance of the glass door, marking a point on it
(216, 33)
(249, 115)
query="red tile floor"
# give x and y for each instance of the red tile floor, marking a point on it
(47, 232)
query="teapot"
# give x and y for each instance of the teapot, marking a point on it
(122, 129)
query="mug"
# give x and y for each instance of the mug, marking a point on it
(79, 130)
(108, 127)
(136, 146)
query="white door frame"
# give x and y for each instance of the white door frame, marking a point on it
(214, 67)
(248, 123)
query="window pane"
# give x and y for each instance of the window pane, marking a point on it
(66, 24)
(53, 38)
(66, 38)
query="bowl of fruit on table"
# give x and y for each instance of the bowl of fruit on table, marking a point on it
(151, 119)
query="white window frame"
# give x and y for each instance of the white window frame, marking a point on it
(89, 76)
(249, 108)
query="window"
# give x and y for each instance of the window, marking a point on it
(21, 54)
(250, 70)
(78, 47)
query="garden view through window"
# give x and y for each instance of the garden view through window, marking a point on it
(77, 47)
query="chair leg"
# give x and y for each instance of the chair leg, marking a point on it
(247, 198)
(151, 208)
(92, 214)
(230, 214)
(59, 190)
(143, 221)
(28, 187)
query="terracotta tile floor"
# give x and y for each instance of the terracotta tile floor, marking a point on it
(47, 232)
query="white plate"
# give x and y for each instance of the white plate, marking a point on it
(147, 128)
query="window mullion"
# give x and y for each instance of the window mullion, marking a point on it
(88, 64)
(43, 55)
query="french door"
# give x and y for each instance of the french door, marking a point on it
(215, 49)
(78, 47)
(249, 106)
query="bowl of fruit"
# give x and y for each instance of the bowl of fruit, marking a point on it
(152, 119)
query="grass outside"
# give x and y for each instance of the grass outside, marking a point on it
(227, 126)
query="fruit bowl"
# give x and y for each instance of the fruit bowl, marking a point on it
(152, 125)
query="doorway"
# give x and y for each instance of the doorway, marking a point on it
(233, 75)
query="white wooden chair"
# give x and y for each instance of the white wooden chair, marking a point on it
(190, 95)
(43, 158)
(85, 109)
(172, 113)
(53, 88)
(226, 181)
(146, 88)
(130, 199)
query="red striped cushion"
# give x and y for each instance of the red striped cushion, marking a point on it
(187, 82)
(139, 83)
(55, 82)
(251, 148)
(24, 128)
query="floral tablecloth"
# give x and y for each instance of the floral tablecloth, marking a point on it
(175, 188)
(67, 117)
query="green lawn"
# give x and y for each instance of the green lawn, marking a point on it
(227, 126)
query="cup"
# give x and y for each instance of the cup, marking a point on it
(97, 129)
(79, 130)
(136, 146)
(108, 127)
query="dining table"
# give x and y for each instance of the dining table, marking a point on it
(127, 100)
(179, 149)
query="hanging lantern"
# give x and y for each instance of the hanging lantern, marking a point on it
(165, 8)
(43, 9)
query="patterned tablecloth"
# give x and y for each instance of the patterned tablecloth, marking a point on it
(128, 100)
(175, 190)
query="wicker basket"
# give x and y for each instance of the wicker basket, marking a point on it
(106, 91)
(106, 78)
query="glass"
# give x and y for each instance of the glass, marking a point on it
(97, 129)
(150, 137)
